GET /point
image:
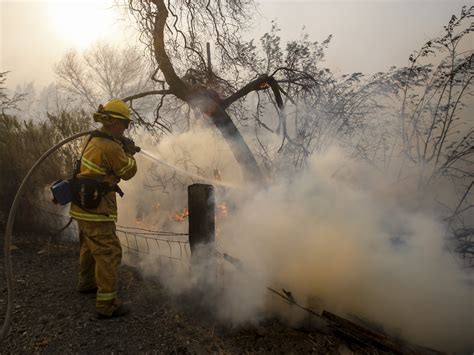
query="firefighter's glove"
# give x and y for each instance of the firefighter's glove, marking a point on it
(129, 145)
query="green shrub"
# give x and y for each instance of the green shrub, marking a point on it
(21, 145)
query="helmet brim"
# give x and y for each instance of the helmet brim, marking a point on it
(119, 117)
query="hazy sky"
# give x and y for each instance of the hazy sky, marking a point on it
(369, 36)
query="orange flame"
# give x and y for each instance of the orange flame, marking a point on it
(222, 210)
(181, 216)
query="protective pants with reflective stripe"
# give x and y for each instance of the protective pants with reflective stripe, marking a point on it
(100, 259)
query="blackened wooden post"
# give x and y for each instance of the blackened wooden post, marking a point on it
(201, 205)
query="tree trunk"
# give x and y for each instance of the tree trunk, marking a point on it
(250, 169)
(242, 153)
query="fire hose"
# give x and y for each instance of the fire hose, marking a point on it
(9, 229)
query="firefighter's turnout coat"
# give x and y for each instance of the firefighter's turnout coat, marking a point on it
(104, 160)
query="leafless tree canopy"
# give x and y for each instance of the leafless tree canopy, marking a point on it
(103, 72)
(186, 26)
(8, 102)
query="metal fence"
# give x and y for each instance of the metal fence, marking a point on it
(159, 244)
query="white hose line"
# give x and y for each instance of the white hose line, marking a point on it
(9, 229)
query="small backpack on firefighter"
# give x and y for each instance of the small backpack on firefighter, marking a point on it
(84, 192)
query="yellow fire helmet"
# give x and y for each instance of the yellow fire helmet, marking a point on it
(114, 109)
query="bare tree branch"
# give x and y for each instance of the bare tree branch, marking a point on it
(146, 93)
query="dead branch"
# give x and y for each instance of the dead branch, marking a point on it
(146, 93)
(258, 84)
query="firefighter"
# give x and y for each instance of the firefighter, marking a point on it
(107, 158)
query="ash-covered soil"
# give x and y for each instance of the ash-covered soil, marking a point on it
(51, 316)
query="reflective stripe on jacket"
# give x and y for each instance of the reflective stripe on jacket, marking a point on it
(104, 160)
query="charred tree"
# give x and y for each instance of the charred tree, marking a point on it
(156, 17)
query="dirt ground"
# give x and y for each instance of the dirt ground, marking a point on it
(51, 316)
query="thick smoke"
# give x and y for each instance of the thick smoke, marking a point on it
(340, 236)
(362, 251)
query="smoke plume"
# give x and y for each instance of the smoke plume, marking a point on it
(340, 236)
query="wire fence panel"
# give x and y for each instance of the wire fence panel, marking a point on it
(155, 245)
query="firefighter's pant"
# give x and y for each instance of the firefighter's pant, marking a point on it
(100, 259)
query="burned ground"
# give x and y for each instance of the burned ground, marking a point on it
(51, 316)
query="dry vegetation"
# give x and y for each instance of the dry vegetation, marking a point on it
(29, 140)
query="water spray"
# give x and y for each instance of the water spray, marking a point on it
(185, 172)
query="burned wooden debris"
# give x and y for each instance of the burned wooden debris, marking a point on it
(347, 330)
